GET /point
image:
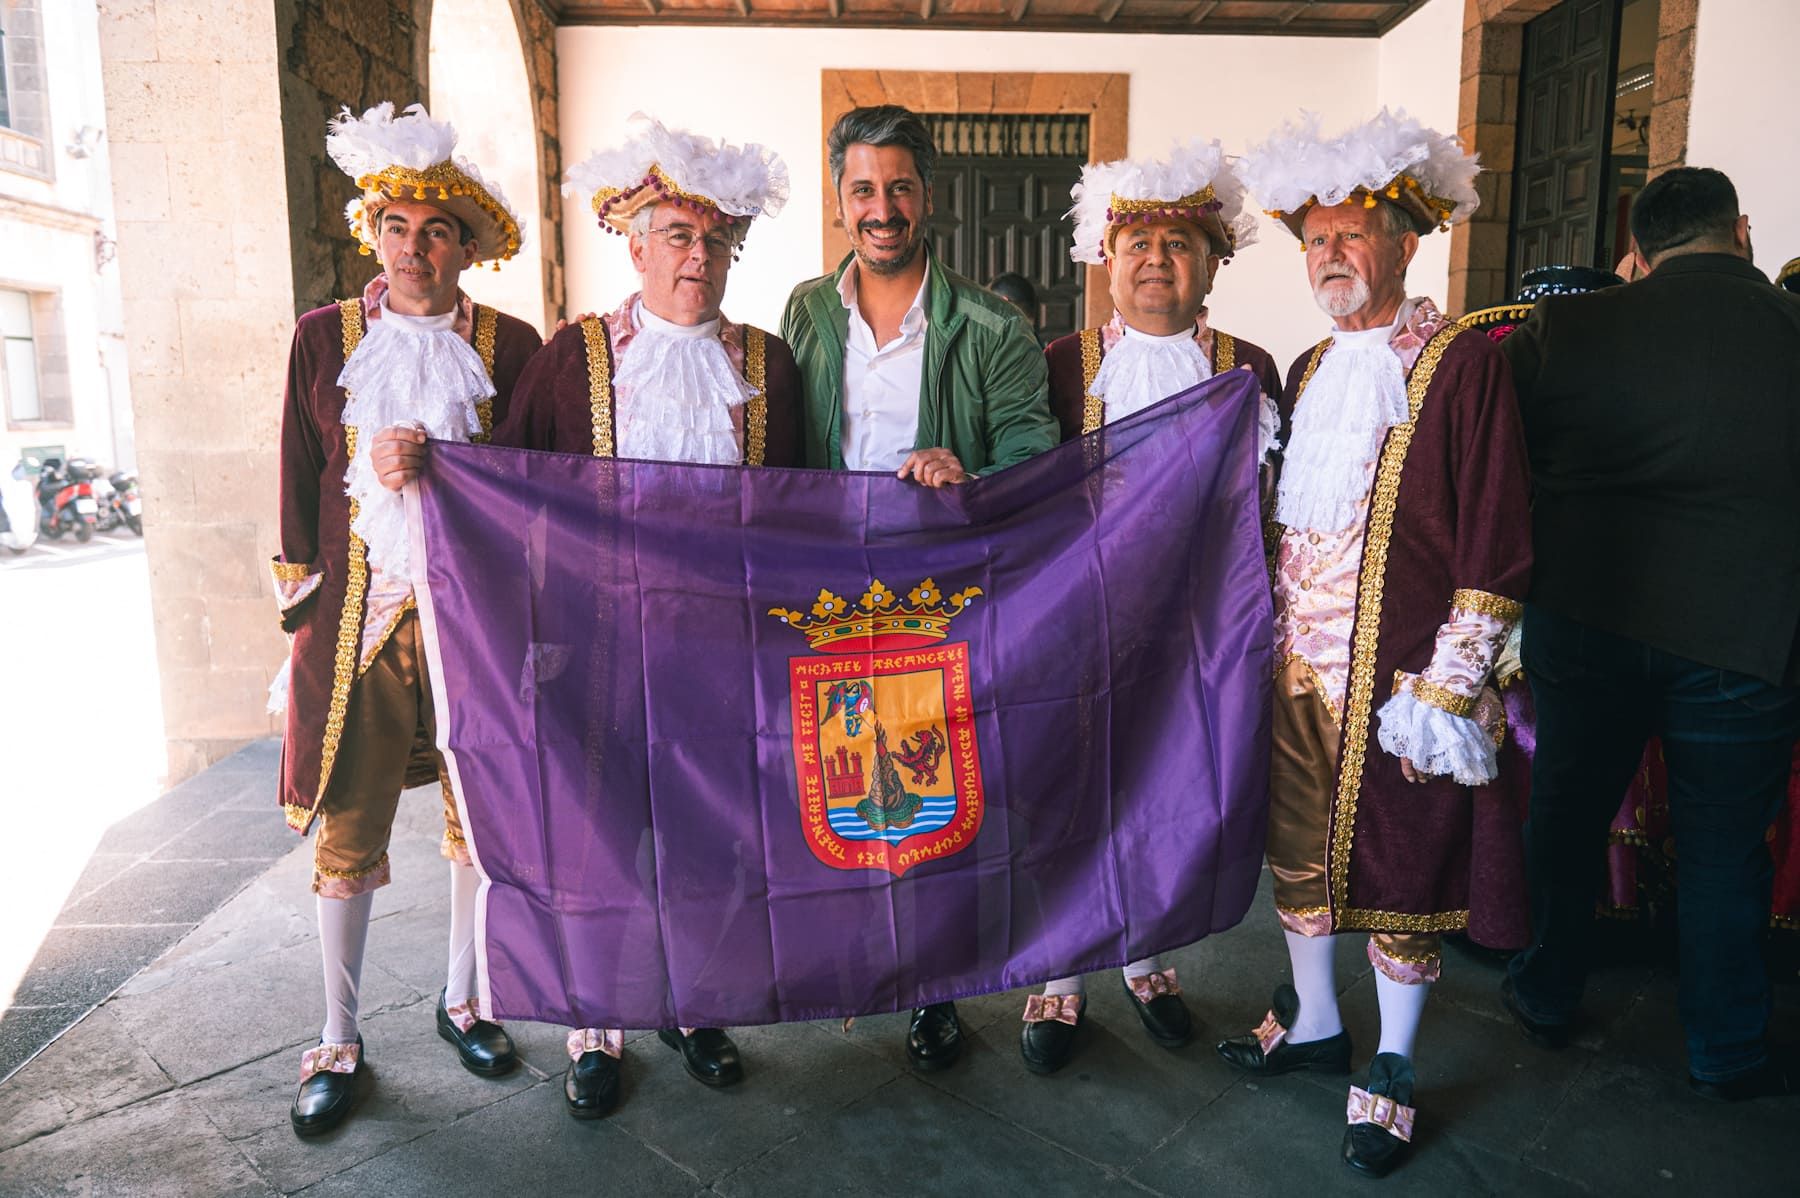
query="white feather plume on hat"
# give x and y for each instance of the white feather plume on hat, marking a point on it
(413, 156)
(1194, 181)
(1390, 156)
(658, 164)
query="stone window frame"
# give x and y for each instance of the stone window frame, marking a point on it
(50, 356)
(1493, 51)
(25, 146)
(1105, 97)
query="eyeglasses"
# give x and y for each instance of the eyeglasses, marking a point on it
(681, 239)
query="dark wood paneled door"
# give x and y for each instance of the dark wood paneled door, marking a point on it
(1564, 138)
(1001, 190)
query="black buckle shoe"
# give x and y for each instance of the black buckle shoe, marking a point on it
(934, 1038)
(1381, 1121)
(485, 1048)
(1157, 998)
(710, 1056)
(1268, 1051)
(1048, 1038)
(591, 1086)
(1553, 1036)
(326, 1095)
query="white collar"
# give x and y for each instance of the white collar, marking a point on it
(650, 322)
(915, 313)
(403, 323)
(1179, 335)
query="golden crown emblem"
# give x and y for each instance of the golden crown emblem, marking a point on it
(880, 619)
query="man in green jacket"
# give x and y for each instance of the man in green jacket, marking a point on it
(906, 365)
(909, 367)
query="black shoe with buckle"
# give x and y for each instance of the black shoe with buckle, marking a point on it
(1157, 998)
(328, 1083)
(1268, 1051)
(1544, 1034)
(591, 1086)
(1048, 1037)
(484, 1046)
(1381, 1122)
(710, 1056)
(934, 1038)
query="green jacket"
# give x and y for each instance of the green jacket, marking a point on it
(984, 393)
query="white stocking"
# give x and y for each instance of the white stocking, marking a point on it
(1144, 968)
(343, 931)
(1401, 1007)
(1074, 985)
(459, 977)
(1315, 980)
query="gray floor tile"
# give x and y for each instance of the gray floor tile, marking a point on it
(163, 892)
(25, 1030)
(161, 1146)
(82, 965)
(96, 1067)
(225, 835)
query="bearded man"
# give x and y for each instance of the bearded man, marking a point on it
(1404, 551)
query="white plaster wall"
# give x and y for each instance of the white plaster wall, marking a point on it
(47, 231)
(1420, 68)
(1742, 117)
(763, 85)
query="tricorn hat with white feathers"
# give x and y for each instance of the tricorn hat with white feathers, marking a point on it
(412, 157)
(1193, 183)
(659, 165)
(1391, 157)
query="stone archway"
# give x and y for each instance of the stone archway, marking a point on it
(1488, 110)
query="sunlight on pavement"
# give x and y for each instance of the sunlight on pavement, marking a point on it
(82, 745)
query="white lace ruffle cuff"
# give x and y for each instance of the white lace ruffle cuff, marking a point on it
(1436, 742)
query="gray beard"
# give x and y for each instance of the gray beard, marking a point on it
(1339, 303)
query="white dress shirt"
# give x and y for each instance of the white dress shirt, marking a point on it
(881, 384)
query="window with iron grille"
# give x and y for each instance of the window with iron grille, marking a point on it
(1009, 134)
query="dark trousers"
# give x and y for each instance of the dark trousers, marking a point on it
(1727, 741)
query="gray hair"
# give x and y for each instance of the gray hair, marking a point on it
(640, 224)
(1396, 221)
(881, 125)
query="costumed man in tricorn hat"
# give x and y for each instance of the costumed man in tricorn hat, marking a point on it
(1403, 555)
(411, 350)
(1162, 228)
(664, 377)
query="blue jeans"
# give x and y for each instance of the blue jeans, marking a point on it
(1727, 741)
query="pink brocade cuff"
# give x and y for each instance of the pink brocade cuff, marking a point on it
(1382, 1111)
(330, 1058)
(1407, 973)
(1153, 985)
(1270, 1034)
(335, 885)
(293, 583)
(465, 1015)
(1305, 921)
(583, 1040)
(1057, 1008)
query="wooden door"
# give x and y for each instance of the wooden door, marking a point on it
(1564, 138)
(999, 199)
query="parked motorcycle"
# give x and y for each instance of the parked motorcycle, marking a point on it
(65, 494)
(18, 508)
(119, 503)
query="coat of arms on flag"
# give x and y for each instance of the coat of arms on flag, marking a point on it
(885, 753)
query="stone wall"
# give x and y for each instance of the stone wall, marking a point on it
(194, 127)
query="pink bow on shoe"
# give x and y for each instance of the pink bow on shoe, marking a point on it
(1382, 1111)
(330, 1058)
(1153, 985)
(1270, 1034)
(465, 1014)
(584, 1040)
(1058, 1008)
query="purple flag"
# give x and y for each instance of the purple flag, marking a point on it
(737, 746)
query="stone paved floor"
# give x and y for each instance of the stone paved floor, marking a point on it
(179, 1084)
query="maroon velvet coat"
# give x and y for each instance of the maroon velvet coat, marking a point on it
(1430, 856)
(316, 541)
(554, 402)
(1068, 376)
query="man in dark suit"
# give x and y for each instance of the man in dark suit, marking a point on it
(1663, 422)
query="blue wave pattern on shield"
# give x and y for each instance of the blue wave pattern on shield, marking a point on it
(932, 816)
